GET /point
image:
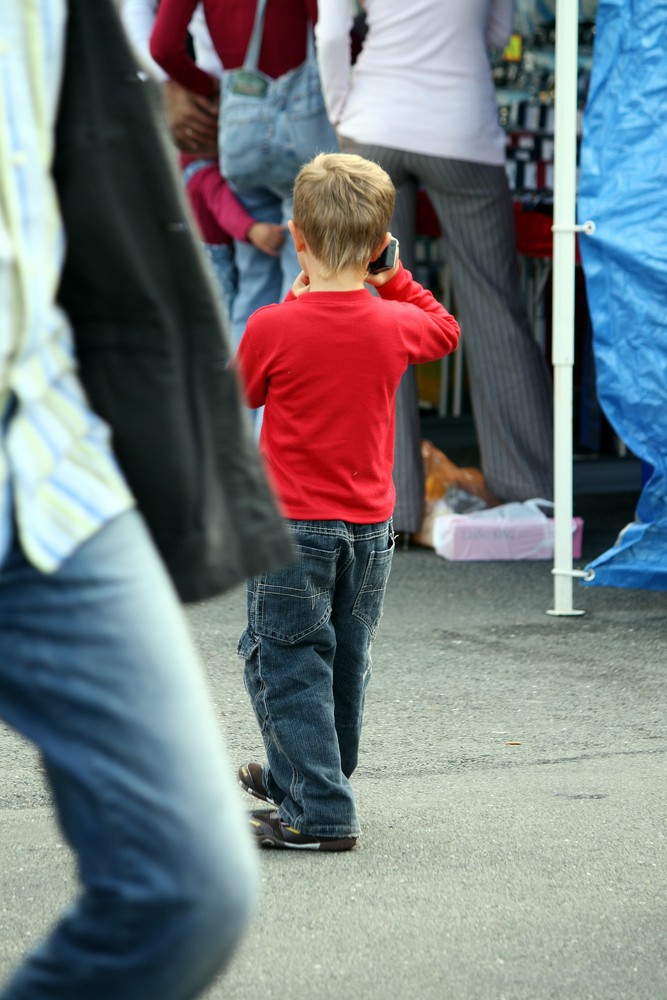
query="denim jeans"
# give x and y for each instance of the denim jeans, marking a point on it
(221, 255)
(262, 279)
(307, 652)
(264, 140)
(222, 258)
(97, 668)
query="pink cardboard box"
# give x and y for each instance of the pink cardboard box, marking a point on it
(461, 537)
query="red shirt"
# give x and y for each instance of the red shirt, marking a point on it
(230, 22)
(220, 216)
(326, 366)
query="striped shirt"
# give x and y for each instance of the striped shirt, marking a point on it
(59, 479)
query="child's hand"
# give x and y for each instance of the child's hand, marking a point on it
(267, 237)
(301, 285)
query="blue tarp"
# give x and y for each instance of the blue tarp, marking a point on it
(623, 189)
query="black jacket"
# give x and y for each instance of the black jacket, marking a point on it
(150, 335)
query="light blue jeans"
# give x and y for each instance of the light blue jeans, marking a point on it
(97, 668)
(262, 279)
(307, 652)
(221, 255)
(222, 258)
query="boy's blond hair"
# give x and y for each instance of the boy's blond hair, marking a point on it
(343, 205)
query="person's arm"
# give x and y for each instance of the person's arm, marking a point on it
(193, 119)
(208, 187)
(31, 226)
(334, 53)
(225, 206)
(437, 333)
(499, 24)
(205, 55)
(252, 362)
(138, 17)
(169, 49)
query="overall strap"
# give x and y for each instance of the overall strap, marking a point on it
(310, 49)
(252, 55)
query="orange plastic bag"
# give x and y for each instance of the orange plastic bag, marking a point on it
(440, 473)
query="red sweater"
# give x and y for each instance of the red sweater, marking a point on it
(229, 23)
(326, 365)
(220, 216)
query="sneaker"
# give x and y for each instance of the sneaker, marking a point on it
(271, 831)
(251, 780)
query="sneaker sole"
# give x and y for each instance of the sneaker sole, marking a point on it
(266, 839)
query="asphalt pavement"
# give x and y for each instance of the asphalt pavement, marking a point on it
(511, 789)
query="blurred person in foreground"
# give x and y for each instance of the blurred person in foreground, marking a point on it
(97, 667)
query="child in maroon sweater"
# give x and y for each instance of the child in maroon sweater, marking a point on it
(325, 364)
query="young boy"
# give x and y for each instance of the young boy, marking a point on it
(326, 363)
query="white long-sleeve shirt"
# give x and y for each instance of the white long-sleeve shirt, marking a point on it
(423, 81)
(138, 17)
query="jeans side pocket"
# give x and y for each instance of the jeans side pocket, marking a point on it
(295, 601)
(369, 604)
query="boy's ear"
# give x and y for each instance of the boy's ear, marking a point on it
(297, 236)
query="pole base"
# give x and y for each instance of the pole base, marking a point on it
(572, 613)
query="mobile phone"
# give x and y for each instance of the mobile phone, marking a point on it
(386, 260)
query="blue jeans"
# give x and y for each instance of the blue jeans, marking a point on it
(262, 279)
(265, 140)
(97, 668)
(221, 255)
(222, 258)
(307, 652)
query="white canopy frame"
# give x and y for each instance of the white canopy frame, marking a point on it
(564, 235)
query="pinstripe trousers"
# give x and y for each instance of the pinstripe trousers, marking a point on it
(510, 382)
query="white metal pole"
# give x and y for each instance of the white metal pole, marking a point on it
(565, 193)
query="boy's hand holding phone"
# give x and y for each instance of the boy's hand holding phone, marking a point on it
(383, 268)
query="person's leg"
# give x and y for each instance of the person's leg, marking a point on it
(221, 256)
(260, 276)
(97, 669)
(408, 463)
(289, 648)
(357, 609)
(509, 376)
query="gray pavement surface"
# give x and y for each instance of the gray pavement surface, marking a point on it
(511, 789)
